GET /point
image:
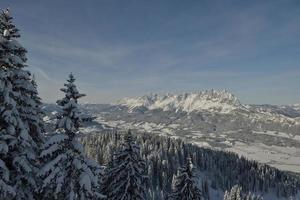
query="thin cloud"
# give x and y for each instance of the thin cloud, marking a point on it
(41, 74)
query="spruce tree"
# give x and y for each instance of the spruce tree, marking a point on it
(234, 194)
(185, 187)
(67, 173)
(251, 196)
(10, 123)
(18, 152)
(126, 178)
(37, 125)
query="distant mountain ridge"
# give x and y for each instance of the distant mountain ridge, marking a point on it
(222, 102)
(212, 100)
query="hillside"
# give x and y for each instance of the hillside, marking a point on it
(217, 171)
(214, 119)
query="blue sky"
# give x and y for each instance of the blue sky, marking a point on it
(135, 47)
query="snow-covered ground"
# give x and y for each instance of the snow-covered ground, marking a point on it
(284, 157)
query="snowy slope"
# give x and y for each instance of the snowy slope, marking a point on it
(214, 119)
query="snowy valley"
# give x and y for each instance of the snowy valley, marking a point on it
(215, 119)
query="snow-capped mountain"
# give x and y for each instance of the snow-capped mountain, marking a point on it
(214, 101)
(211, 100)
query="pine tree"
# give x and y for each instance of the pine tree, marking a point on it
(35, 120)
(205, 190)
(126, 178)
(67, 173)
(185, 187)
(251, 196)
(18, 151)
(29, 107)
(216, 163)
(10, 122)
(226, 195)
(234, 193)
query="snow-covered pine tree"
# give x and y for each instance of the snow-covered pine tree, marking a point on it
(67, 173)
(126, 178)
(29, 105)
(226, 195)
(10, 122)
(154, 148)
(251, 196)
(234, 193)
(19, 146)
(37, 124)
(185, 187)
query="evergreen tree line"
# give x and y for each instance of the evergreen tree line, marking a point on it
(218, 169)
(236, 194)
(52, 164)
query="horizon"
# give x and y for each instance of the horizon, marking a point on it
(117, 49)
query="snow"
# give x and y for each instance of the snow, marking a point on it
(221, 101)
(56, 139)
(53, 148)
(284, 158)
(4, 170)
(202, 144)
(77, 146)
(59, 183)
(3, 148)
(6, 33)
(51, 165)
(22, 163)
(6, 188)
(85, 182)
(7, 12)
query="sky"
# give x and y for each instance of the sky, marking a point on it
(125, 48)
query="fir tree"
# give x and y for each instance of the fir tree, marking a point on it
(37, 125)
(67, 173)
(19, 159)
(10, 122)
(185, 187)
(126, 178)
(29, 105)
(234, 193)
(224, 168)
(251, 196)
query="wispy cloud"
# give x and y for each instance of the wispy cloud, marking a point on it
(41, 74)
